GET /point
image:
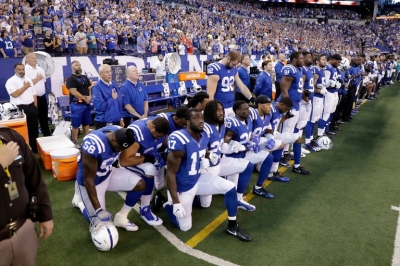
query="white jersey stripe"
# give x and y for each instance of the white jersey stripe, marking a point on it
(182, 136)
(98, 142)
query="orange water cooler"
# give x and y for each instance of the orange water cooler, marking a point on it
(18, 125)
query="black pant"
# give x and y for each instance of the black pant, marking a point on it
(350, 97)
(32, 116)
(278, 89)
(43, 115)
(103, 124)
(240, 96)
(129, 120)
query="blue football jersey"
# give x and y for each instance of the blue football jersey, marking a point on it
(224, 92)
(296, 88)
(276, 117)
(172, 126)
(189, 170)
(216, 138)
(320, 80)
(331, 73)
(260, 124)
(242, 132)
(144, 138)
(96, 145)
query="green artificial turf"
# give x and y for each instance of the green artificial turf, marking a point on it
(339, 215)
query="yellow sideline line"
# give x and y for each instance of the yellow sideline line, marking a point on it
(206, 231)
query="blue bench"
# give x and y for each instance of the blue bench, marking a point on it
(157, 101)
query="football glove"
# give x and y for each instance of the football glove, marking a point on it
(331, 83)
(204, 163)
(253, 147)
(178, 210)
(103, 216)
(256, 139)
(213, 158)
(270, 144)
(338, 84)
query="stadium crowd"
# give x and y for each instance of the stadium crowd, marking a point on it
(194, 26)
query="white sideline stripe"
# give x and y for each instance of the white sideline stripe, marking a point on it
(182, 247)
(396, 252)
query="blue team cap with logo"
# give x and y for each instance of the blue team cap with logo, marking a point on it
(124, 137)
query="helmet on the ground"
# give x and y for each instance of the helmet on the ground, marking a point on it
(325, 143)
(104, 235)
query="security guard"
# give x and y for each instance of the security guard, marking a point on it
(23, 200)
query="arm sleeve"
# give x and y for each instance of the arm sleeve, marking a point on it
(99, 102)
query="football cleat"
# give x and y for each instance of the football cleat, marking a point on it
(241, 204)
(76, 200)
(301, 170)
(284, 162)
(277, 176)
(262, 192)
(123, 222)
(309, 147)
(314, 144)
(149, 217)
(340, 121)
(158, 201)
(236, 231)
(305, 151)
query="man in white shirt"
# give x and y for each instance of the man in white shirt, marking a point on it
(23, 95)
(38, 77)
(159, 67)
(80, 37)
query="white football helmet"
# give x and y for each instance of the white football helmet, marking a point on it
(196, 88)
(182, 91)
(324, 143)
(10, 111)
(344, 64)
(104, 235)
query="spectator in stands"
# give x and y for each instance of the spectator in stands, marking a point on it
(80, 95)
(16, 38)
(244, 76)
(38, 77)
(91, 41)
(134, 97)
(27, 40)
(48, 42)
(278, 67)
(141, 43)
(46, 22)
(111, 41)
(37, 23)
(57, 45)
(81, 41)
(23, 94)
(70, 42)
(100, 40)
(7, 48)
(107, 100)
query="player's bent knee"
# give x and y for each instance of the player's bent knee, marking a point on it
(185, 226)
(148, 169)
(140, 186)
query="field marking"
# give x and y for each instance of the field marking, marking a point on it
(206, 231)
(182, 247)
(396, 251)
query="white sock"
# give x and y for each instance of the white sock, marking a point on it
(321, 132)
(286, 148)
(239, 196)
(274, 167)
(125, 210)
(296, 165)
(307, 141)
(145, 200)
(232, 218)
(257, 187)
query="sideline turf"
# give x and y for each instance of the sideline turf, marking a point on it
(340, 215)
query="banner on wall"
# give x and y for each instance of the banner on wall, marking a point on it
(90, 65)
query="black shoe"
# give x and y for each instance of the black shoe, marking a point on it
(335, 128)
(235, 231)
(330, 132)
(158, 201)
(347, 119)
(301, 170)
(287, 156)
(340, 121)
